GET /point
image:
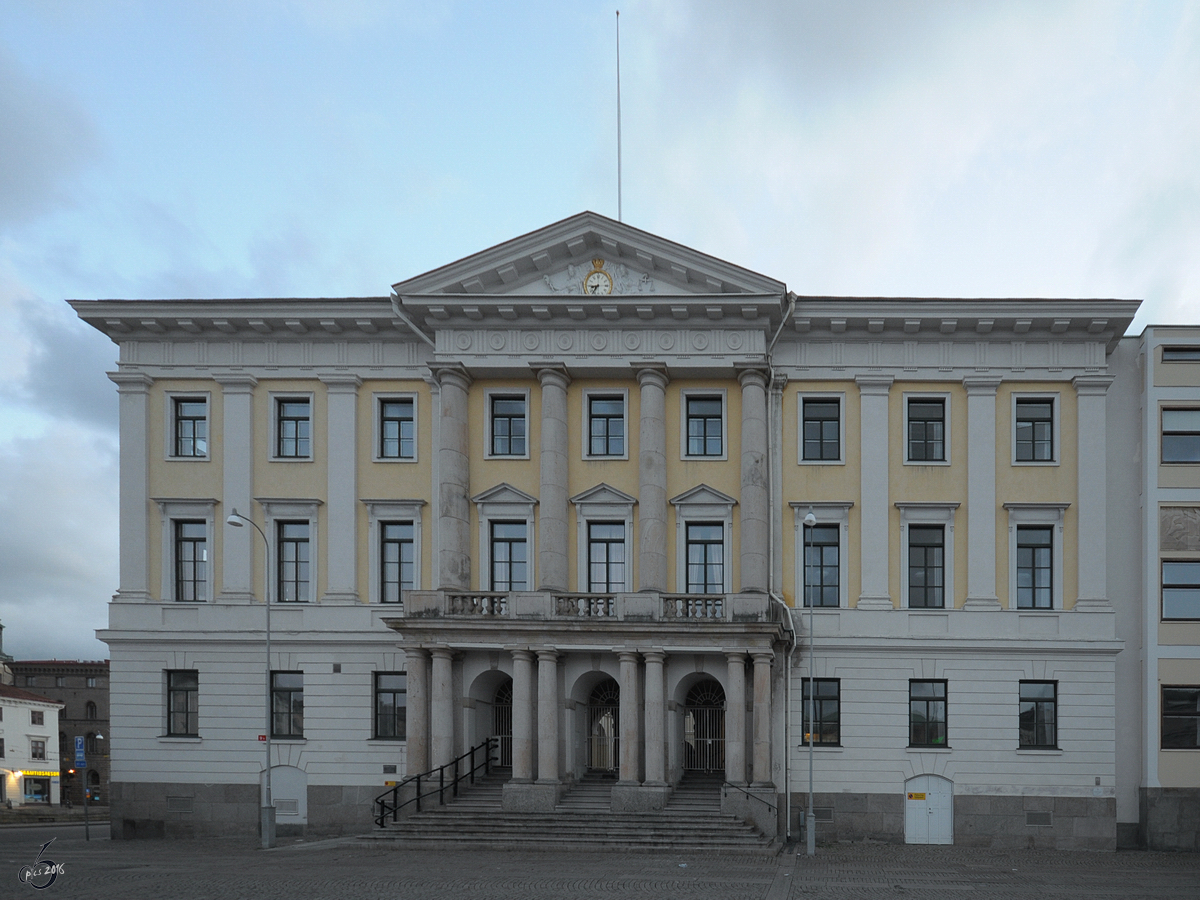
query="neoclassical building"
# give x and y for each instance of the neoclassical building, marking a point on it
(636, 512)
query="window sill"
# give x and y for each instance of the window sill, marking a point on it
(915, 749)
(188, 458)
(292, 459)
(821, 462)
(927, 462)
(823, 748)
(288, 740)
(1036, 463)
(386, 742)
(1039, 751)
(179, 739)
(394, 459)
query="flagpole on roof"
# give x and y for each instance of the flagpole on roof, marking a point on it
(619, 219)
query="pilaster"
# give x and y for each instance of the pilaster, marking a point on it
(754, 506)
(873, 538)
(981, 495)
(133, 389)
(453, 510)
(552, 503)
(342, 479)
(237, 462)
(1091, 427)
(652, 477)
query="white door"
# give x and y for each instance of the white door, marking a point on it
(928, 810)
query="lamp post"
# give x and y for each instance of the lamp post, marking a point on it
(267, 811)
(810, 820)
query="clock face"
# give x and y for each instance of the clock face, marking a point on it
(597, 282)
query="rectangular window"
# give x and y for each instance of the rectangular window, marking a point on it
(293, 562)
(395, 560)
(926, 567)
(606, 557)
(183, 703)
(391, 701)
(1, 748)
(293, 428)
(705, 558)
(927, 713)
(191, 427)
(1181, 435)
(397, 429)
(821, 566)
(1039, 714)
(37, 717)
(1035, 430)
(191, 561)
(1035, 567)
(705, 426)
(825, 711)
(91, 681)
(37, 749)
(30, 681)
(508, 426)
(1181, 354)
(926, 430)
(1181, 718)
(1181, 589)
(822, 429)
(510, 564)
(60, 681)
(287, 704)
(606, 426)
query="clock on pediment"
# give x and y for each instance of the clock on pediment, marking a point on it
(597, 281)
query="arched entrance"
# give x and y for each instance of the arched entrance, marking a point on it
(502, 718)
(704, 727)
(928, 810)
(604, 724)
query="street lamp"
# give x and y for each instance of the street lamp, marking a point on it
(810, 821)
(267, 811)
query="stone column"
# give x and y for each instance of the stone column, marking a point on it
(442, 707)
(522, 724)
(656, 745)
(981, 493)
(762, 717)
(237, 463)
(652, 478)
(552, 504)
(548, 706)
(133, 389)
(1092, 474)
(755, 527)
(416, 714)
(453, 510)
(735, 719)
(341, 503)
(629, 719)
(873, 396)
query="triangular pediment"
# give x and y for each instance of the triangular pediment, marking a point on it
(703, 494)
(556, 261)
(504, 493)
(603, 494)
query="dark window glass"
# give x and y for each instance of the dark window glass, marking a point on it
(89, 710)
(927, 713)
(606, 426)
(37, 717)
(91, 681)
(927, 430)
(821, 570)
(1181, 354)
(826, 710)
(37, 749)
(926, 567)
(91, 745)
(1181, 589)
(183, 703)
(397, 430)
(705, 558)
(822, 430)
(191, 561)
(1, 748)
(1035, 566)
(1181, 435)
(395, 560)
(294, 426)
(704, 426)
(510, 565)
(1035, 430)
(60, 681)
(391, 700)
(508, 426)
(606, 557)
(1181, 718)
(191, 426)
(293, 562)
(1039, 714)
(287, 704)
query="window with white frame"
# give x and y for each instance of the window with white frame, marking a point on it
(606, 425)
(1038, 728)
(927, 429)
(1035, 428)
(1181, 589)
(704, 526)
(1181, 435)
(509, 556)
(37, 749)
(821, 553)
(187, 547)
(1180, 717)
(506, 526)
(292, 527)
(293, 428)
(703, 419)
(508, 424)
(187, 426)
(822, 428)
(927, 549)
(183, 703)
(604, 525)
(394, 532)
(396, 428)
(1035, 555)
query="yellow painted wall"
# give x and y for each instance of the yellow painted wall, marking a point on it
(1178, 768)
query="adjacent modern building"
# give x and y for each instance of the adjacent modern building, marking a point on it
(635, 510)
(28, 751)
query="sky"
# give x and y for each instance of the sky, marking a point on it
(313, 148)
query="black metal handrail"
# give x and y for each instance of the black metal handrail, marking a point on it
(388, 804)
(767, 803)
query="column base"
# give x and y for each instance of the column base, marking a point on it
(530, 796)
(632, 797)
(757, 805)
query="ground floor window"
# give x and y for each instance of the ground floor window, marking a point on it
(927, 713)
(1039, 714)
(826, 710)
(1181, 718)
(37, 790)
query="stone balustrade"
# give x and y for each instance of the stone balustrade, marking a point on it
(647, 606)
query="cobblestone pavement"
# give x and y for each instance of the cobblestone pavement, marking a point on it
(354, 870)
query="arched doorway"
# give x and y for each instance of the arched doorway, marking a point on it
(604, 724)
(928, 810)
(502, 713)
(704, 727)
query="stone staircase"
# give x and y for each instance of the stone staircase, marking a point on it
(582, 820)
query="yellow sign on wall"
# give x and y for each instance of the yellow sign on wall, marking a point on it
(916, 796)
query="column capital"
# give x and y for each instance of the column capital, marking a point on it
(628, 656)
(131, 382)
(1092, 385)
(450, 373)
(983, 385)
(235, 382)
(441, 652)
(551, 374)
(522, 653)
(415, 651)
(762, 656)
(879, 385)
(735, 656)
(547, 654)
(652, 373)
(752, 374)
(655, 656)
(341, 382)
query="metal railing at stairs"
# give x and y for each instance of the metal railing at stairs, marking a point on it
(388, 804)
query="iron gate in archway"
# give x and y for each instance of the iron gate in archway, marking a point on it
(704, 727)
(604, 726)
(502, 712)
